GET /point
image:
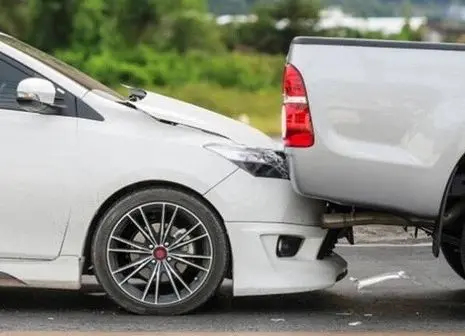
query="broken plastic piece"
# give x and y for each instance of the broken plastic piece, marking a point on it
(370, 281)
(354, 324)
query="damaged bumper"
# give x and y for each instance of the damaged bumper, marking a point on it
(258, 269)
(276, 237)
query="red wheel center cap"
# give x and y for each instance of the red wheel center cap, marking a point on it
(160, 253)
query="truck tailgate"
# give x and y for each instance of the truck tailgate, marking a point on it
(387, 120)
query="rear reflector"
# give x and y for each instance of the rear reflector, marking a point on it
(297, 126)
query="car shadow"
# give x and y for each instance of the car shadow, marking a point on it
(435, 305)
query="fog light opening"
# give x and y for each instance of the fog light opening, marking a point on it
(288, 246)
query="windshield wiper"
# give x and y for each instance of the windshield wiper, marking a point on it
(135, 94)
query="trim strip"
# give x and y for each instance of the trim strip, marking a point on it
(377, 43)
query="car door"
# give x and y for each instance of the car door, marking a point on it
(36, 171)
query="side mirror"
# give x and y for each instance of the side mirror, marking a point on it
(37, 95)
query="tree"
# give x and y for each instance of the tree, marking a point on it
(409, 34)
(50, 23)
(191, 30)
(301, 17)
(277, 24)
(13, 18)
(177, 6)
(229, 7)
(135, 21)
(296, 11)
(90, 27)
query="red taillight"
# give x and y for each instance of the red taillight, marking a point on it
(296, 124)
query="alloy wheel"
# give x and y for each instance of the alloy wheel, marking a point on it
(159, 253)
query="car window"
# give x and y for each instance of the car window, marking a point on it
(10, 77)
(60, 66)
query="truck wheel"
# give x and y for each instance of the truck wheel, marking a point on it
(453, 257)
(160, 251)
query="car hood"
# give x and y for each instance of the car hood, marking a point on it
(176, 111)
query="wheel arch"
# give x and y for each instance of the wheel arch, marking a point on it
(112, 199)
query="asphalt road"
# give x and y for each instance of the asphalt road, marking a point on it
(435, 301)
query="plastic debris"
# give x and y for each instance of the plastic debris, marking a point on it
(370, 281)
(368, 315)
(277, 320)
(354, 324)
(344, 314)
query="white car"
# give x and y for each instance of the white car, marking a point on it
(159, 199)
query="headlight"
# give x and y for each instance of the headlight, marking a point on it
(258, 162)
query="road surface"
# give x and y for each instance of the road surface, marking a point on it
(435, 301)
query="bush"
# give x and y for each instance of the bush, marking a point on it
(147, 67)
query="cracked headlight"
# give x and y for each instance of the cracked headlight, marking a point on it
(256, 161)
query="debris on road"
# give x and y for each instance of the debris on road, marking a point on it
(370, 281)
(368, 315)
(354, 324)
(277, 320)
(344, 314)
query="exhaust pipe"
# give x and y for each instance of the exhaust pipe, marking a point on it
(345, 220)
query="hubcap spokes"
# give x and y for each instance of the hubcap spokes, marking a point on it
(159, 253)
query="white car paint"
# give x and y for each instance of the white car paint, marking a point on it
(165, 107)
(58, 171)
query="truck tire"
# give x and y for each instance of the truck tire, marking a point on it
(452, 254)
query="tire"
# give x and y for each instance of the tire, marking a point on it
(453, 258)
(175, 279)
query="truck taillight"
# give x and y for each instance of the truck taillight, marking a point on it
(296, 120)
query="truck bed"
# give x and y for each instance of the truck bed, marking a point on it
(388, 119)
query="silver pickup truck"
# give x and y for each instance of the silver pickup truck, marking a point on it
(377, 129)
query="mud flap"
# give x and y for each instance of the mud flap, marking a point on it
(437, 233)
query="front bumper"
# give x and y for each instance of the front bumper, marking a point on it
(242, 197)
(256, 212)
(257, 270)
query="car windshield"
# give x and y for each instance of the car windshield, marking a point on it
(60, 66)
